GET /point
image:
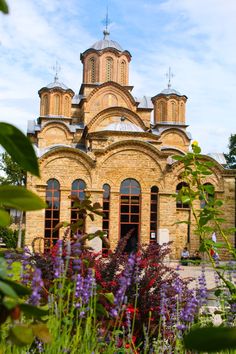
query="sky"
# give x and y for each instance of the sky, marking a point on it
(196, 38)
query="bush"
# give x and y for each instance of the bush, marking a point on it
(9, 236)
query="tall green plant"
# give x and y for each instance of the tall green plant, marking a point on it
(207, 219)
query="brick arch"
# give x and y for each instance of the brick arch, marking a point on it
(106, 113)
(73, 158)
(58, 124)
(215, 179)
(111, 87)
(176, 131)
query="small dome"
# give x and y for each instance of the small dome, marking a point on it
(56, 83)
(123, 125)
(170, 91)
(106, 42)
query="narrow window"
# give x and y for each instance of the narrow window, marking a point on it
(56, 105)
(66, 106)
(77, 190)
(162, 111)
(173, 111)
(45, 105)
(109, 69)
(153, 214)
(130, 198)
(52, 213)
(106, 213)
(123, 72)
(180, 190)
(92, 70)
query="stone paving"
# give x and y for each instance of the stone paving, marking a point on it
(190, 271)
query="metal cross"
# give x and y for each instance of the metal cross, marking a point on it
(56, 68)
(169, 75)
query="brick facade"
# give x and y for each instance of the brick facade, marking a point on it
(106, 138)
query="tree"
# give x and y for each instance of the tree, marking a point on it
(13, 175)
(231, 156)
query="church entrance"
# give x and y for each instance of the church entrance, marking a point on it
(130, 196)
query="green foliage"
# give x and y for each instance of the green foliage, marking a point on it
(4, 7)
(9, 237)
(20, 198)
(4, 218)
(231, 156)
(13, 173)
(211, 339)
(19, 147)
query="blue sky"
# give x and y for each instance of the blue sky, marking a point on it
(197, 38)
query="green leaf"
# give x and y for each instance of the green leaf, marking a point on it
(20, 198)
(19, 147)
(109, 297)
(19, 289)
(42, 333)
(33, 311)
(4, 218)
(4, 7)
(9, 303)
(7, 290)
(3, 268)
(21, 335)
(211, 339)
(178, 157)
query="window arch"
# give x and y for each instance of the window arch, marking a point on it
(179, 190)
(92, 70)
(52, 212)
(45, 106)
(130, 203)
(77, 190)
(57, 105)
(209, 191)
(66, 106)
(173, 111)
(109, 69)
(106, 212)
(162, 111)
(182, 111)
(153, 213)
(123, 72)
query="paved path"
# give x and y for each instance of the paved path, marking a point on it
(190, 271)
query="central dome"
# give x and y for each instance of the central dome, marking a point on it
(106, 42)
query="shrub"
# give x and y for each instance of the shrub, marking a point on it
(9, 237)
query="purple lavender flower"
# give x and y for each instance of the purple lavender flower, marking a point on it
(9, 260)
(25, 276)
(84, 289)
(190, 309)
(124, 282)
(202, 289)
(37, 284)
(76, 252)
(58, 263)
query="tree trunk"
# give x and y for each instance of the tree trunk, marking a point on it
(19, 239)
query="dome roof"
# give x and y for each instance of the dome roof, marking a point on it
(123, 125)
(106, 42)
(56, 83)
(170, 91)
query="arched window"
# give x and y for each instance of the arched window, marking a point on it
(173, 112)
(209, 192)
(45, 105)
(66, 107)
(77, 190)
(162, 111)
(109, 69)
(130, 198)
(153, 214)
(123, 72)
(182, 112)
(56, 105)
(106, 212)
(179, 190)
(52, 212)
(92, 70)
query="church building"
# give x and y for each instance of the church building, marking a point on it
(117, 148)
